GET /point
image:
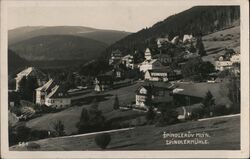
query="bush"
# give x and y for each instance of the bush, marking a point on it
(168, 115)
(91, 120)
(150, 115)
(58, 127)
(102, 140)
(116, 103)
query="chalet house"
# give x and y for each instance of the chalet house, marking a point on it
(222, 64)
(103, 82)
(162, 75)
(128, 61)
(150, 65)
(164, 59)
(156, 93)
(43, 91)
(58, 98)
(33, 72)
(116, 57)
(161, 41)
(156, 75)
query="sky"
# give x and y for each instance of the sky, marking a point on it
(112, 15)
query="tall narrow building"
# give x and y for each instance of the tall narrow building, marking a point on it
(147, 54)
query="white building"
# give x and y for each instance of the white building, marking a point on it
(222, 65)
(156, 75)
(175, 40)
(235, 58)
(128, 61)
(150, 65)
(161, 75)
(25, 73)
(58, 98)
(161, 41)
(187, 38)
(142, 95)
(30, 71)
(147, 54)
(42, 92)
(156, 93)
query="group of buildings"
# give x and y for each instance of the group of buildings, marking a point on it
(186, 38)
(226, 62)
(49, 92)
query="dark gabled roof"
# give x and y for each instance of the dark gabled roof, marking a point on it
(154, 86)
(158, 84)
(56, 90)
(200, 90)
(47, 86)
(116, 52)
(165, 70)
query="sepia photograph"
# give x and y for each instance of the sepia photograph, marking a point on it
(123, 76)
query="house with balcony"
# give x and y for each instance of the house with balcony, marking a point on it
(128, 61)
(153, 94)
(116, 57)
(161, 75)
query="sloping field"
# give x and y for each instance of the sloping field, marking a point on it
(215, 43)
(222, 134)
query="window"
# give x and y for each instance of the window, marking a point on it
(60, 94)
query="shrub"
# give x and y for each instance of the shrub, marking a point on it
(168, 115)
(58, 127)
(116, 103)
(91, 120)
(150, 115)
(102, 140)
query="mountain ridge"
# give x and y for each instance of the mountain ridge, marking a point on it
(58, 47)
(26, 32)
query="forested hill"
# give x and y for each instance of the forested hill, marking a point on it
(196, 20)
(15, 62)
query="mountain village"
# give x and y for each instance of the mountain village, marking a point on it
(172, 81)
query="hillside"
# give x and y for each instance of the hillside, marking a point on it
(24, 33)
(15, 62)
(197, 20)
(58, 47)
(216, 43)
(223, 134)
